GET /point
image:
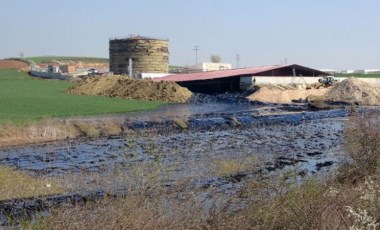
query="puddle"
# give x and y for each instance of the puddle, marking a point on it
(318, 139)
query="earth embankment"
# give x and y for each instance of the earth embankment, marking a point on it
(130, 88)
(13, 64)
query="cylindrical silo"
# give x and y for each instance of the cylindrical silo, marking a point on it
(149, 55)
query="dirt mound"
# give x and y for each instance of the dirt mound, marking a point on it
(354, 91)
(13, 64)
(126, 87)
(279, 94)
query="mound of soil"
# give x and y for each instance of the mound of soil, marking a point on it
(13, 64)
(354, 91)
(130, 88)
(272, 94)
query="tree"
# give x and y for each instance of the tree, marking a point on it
(215, 58)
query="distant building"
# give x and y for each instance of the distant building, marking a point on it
(347, 71)
(241, 79)
(330, 71)
(53, 69)
(367, 71)
(147, 55)
(209, 66)
(68, 68)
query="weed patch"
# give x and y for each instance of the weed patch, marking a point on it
(15, 184)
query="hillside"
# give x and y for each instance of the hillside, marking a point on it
(48, 59)
(13, 64)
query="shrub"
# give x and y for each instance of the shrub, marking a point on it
(362, 142)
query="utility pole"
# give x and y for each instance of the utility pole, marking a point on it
(237, 60)
(196, 48)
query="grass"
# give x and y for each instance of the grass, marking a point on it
(230, 167)
(358, 75)
(24, 99)
(15, 184)
(46, 59)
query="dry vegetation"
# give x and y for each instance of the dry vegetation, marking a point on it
(349, 200)
(54, 129)
(15, 185)
(47, 130)
(223, 167)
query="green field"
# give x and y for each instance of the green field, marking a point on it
(358, 75)
(46, 59)
(26, 99)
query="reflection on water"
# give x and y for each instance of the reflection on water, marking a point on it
(186, 152)
(187, 110)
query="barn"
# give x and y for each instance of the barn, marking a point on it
(240, 79)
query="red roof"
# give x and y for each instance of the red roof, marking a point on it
(218, 74)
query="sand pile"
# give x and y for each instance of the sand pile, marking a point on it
(130, 88)
(354, 91)
(282, 94)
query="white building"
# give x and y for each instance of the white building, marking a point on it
(347, 71)
(367, 71)
(209, 66)
(330, 71)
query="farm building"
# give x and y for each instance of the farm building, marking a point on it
(148, 55)
(68, 68)
(209, 66)
(240, 79)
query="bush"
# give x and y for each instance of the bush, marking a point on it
(362, 142)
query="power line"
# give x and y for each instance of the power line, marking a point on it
(196, 48)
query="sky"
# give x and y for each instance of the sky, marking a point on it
(328, 34)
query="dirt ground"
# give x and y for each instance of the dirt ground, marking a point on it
(351, 91)
(126, 87)
(13, 64)
(354, 91)
(284, 94)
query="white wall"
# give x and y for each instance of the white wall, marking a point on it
(209, 66)
(50, 75)
(245, 82)
(153, 75)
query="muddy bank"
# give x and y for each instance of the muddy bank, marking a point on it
(104, 153)
(307, 143)
(166, 119)
(195, 156)
(54, 130)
